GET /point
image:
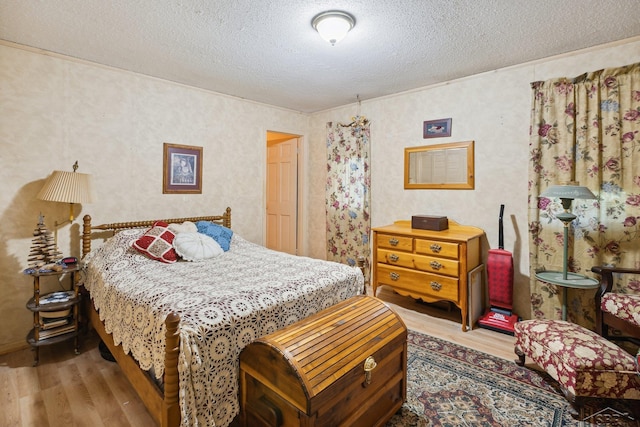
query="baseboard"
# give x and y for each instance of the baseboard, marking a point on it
(11, 347)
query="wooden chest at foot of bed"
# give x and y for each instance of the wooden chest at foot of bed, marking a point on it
(344, 366)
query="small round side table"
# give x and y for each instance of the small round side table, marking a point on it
(573, 280)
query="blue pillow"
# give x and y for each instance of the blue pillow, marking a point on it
(220, 234)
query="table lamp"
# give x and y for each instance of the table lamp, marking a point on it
(68, 187)
(566, 193)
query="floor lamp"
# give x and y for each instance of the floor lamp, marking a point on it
(566, 193)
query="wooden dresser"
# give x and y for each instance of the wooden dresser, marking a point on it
(428, 265)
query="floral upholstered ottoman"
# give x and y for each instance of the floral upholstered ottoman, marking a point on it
(584, 363)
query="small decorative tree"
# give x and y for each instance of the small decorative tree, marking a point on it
(43, 247)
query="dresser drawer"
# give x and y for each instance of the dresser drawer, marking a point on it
(399, 258)
(448, 267)
(395, 242)
(416, 282)
(437, 248)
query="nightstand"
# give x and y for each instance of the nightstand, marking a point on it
(55, 314)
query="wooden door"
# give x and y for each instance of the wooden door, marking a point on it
(282, 200)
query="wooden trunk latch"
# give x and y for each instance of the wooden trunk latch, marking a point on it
(369, 365)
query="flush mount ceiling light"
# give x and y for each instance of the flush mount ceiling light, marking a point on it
(333, 25)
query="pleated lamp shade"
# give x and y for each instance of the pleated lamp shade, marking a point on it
(68, 187)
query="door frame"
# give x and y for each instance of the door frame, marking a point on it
(300, 185)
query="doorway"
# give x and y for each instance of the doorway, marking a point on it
(282, 193)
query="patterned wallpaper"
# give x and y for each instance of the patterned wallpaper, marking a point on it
(56, 110)
(493, 110)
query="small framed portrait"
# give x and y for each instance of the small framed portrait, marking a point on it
(437, 128)
(182, 168)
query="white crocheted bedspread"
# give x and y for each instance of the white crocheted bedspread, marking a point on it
(224, 303)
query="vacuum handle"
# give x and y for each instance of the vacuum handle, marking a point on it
(500, 232)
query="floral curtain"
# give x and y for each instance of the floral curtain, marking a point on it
(348, 192)
(585, 129)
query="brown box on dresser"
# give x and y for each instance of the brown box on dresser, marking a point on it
(429, 222)
(344, 366)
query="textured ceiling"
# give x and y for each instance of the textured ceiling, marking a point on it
(267, 51)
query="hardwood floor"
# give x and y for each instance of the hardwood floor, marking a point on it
(67, 390)
(442, 320)
(86, 390)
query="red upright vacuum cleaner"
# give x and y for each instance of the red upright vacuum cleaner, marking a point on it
(499, 317)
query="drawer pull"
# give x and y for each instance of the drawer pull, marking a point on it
(435, 265)
(394, 276)
(394, 241)
(435, 247)
(436, 286)
(369, 365)
(394, 257)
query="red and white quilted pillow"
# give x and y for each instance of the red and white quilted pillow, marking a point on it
(157, 243)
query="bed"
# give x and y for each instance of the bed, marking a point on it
(177, 330)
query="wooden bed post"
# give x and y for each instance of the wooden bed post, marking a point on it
(227, 218)
(171, 414)
(86, 235)
(361, 266)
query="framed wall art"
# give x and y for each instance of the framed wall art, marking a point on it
(437, 128)
(182, 169)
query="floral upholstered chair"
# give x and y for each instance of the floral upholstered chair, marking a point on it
(616, 310)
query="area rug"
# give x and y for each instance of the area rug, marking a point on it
(450, 385)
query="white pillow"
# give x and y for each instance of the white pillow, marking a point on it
(196, 246)
(185, 227)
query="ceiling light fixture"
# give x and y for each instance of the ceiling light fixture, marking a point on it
(333, 25)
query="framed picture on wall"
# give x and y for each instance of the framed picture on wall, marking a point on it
(437, 128)
(182, 169)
